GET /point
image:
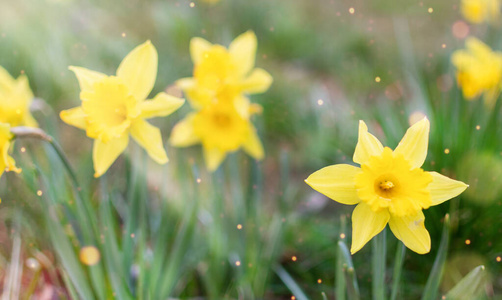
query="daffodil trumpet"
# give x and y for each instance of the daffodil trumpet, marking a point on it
(389, 187)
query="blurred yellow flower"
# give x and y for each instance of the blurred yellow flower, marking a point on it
(221, 129)
(15, 100)
(479, 11)
(7, 163)
(224, 73)
(390, 187)
(114, 107)
(479, 70)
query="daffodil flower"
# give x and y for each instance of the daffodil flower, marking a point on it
(479, 70)
(7, 163)
(15, 100)
(114, 107)
(389, 187)
(479, 11)
(224, 74)
(221, 129)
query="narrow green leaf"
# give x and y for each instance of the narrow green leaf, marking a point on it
(290, 283)
(324, 297)
(349, 272)
(340, 284)
(432, 285)
(398, 268)
(471, 286)
(379, 244)
(68, 258)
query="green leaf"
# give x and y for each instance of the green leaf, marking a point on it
(290, 283)
(350, 272)
(471, 286)
(432, 285)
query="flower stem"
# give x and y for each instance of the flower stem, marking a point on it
(398, 268)
(379, 254)
(29, 132)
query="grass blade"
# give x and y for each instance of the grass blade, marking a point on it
(378, 261)
(470, 287)
(290, 283)
(398, 268)
(340, 284)
(350, 273)
(432, 285)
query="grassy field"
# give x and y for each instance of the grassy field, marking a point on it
(251, 229)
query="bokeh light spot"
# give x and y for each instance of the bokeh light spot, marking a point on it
(89, 255)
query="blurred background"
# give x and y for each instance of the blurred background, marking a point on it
(251, 229)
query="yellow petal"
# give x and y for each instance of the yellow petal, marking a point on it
(29, 121)
(74, 117)
(161, 106)
(242, 105)
(6, 80)
(7, 163)
(257, 82)
(213, 158)
(366, 224)
(411, 231)
(337, 182)
(461, 59)
(86, 78)
(149, 137)
(198, 46)
(185, 83)
(243, 52)
(367, 145)
(414, 144)
(11, 165)
(183, 134)
(443, 188)
(104, 154)
(138, 70)
(253, 145)
(477, 47)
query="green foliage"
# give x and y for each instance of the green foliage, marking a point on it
(172, 231)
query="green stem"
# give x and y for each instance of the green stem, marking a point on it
(28, 132)
(78, 190)
(491, 125)
(340, 284)
(432, 285)
(379, 251)
(349, 273)
(398, 268)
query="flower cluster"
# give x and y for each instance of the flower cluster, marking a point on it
(15, 101)
(479, 68)
(389, 187)
(217, 92)
(114, 107)
(479, 71)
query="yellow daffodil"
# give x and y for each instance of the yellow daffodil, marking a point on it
(114, 107)
(221, 129)
(389, 187)
(7, 163)
(221, 73)
(479, 11)
(479, 70)
(15, 100)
